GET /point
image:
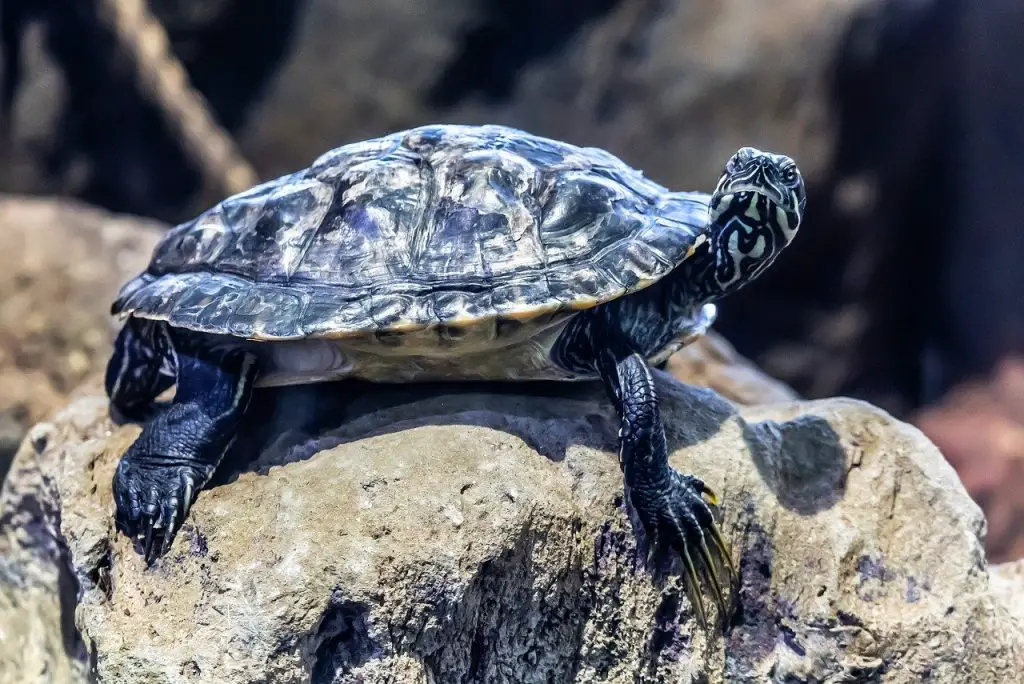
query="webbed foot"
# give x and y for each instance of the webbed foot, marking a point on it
(153, 498)
(678, 523)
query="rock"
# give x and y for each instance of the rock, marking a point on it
(460, 535)
(712, 362)
(11, 432)
(64, 264)
(674, 87)
(38, 638)
(1008, 585)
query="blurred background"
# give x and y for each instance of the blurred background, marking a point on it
(121, 117)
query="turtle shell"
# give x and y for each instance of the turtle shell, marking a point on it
(437, 225)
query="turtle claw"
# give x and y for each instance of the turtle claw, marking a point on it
(679, 523)
(722, 551)
(149, 520)
(710, 566)
(152, 500)
(693, 588)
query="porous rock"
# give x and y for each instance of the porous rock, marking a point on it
(1008, 584)
(454, 535)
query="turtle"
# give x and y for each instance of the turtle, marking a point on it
(443, 252)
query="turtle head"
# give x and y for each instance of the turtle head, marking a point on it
(755, 212)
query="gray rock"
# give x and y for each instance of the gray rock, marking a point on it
(1008, 585)
(456, 536)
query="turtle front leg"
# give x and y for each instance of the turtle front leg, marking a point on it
(669, 505)
(163, 471)
(141, 367)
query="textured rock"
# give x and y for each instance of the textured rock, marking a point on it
(480, 537)
(62, 263)
(1008, 586)
(38, 638)
(675, 87)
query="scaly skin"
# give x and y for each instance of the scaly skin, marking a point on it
(141, 368)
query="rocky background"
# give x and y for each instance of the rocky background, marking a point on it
(904, 290)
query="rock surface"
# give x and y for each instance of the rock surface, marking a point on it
(1008, 585)
(63, 262)
(479, 537)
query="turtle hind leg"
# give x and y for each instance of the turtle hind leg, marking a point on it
(675, 519)
(141, 368)
(163, 471)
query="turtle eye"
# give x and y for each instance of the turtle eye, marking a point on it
(789, 174)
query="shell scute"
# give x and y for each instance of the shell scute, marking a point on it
(334, 163)
(158, 295)
(362, 239)
(387, 310)
(584, 287)
(206, 302)
(189, 247)
(268, 312)
(461, 308)
(330, 317)
(272, 229)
